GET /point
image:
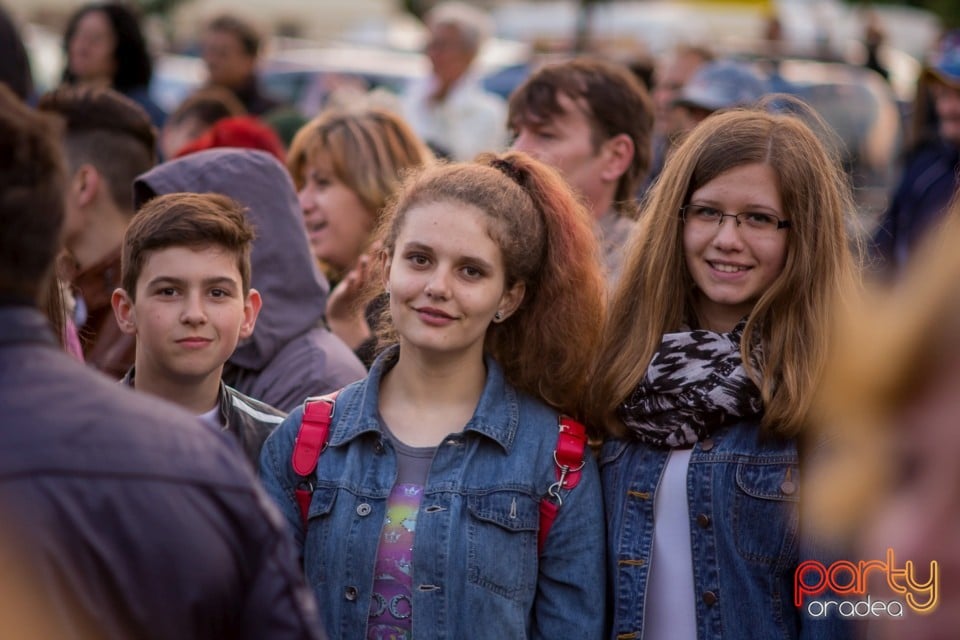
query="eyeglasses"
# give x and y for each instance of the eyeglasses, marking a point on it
(753, 221)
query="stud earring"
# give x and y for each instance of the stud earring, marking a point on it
(498, 316)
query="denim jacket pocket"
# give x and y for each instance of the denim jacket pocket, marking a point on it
(502, 539)
(318, 529)
(766, 511)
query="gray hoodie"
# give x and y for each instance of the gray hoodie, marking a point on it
(291, 355)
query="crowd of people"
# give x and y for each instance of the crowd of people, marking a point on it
(560, 365)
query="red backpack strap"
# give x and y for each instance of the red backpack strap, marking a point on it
(310, 443)
(569, 460)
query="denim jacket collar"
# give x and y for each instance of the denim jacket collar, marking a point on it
(496, 416)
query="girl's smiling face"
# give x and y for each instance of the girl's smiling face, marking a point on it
(731, 266)
(447, 279)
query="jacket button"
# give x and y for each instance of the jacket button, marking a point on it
(787, 487)
(378, 447)
(706, 445)
(710, 598)
(363, 509)
(703, 520)
(350, 593)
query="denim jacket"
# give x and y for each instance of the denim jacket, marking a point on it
(476, 569)
(743, 500)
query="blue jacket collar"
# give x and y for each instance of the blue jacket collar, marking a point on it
(497, 414)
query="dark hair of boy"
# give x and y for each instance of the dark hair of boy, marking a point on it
(107, 130)
(191, 220)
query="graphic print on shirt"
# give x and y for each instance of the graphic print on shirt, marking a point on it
(391, 604)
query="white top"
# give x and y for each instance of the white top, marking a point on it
(212, 418)
(470, 120)
(670, 612)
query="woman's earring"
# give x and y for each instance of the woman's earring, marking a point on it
(498, 316)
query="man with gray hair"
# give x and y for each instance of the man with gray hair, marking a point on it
(451, 110)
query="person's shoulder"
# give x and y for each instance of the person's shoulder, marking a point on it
(79, 421)
(333, 355)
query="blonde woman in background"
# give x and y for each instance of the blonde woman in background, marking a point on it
(346, 164)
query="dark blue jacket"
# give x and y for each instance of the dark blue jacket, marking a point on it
(128, 517)
(928, 183)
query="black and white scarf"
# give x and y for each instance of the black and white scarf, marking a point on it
(695, 383)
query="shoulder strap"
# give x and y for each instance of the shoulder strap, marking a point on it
(569, 461)
(311, 441)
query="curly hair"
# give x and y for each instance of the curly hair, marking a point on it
(547, 242)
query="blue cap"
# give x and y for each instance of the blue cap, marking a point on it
(723, 84)
(944, 61)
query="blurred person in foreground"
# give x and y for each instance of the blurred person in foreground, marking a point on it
(931, 174)
(123, 517)
(105, 47)
(591, 119)
(890, 404)
(451, 110)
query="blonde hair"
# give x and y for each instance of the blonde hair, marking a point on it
(370, 150)
(789, 322)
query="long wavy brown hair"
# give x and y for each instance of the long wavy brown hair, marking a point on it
(547, 241)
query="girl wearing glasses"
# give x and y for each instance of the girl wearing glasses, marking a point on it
(717, 335)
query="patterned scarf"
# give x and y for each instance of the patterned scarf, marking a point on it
(695, 383)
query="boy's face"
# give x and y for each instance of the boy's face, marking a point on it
(189, 312)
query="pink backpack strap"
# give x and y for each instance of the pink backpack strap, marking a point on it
(311, 441)
(569, 461)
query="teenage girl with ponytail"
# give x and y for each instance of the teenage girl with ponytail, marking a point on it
(424, 516)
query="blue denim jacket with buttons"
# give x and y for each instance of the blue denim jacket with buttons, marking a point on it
(743, 501)
(476, 570)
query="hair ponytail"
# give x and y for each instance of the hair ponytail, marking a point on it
(546, 348)
(547, 242)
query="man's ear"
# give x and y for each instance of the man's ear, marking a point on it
(124, 312)
(251, 309)
(85, 185)
(618, 155)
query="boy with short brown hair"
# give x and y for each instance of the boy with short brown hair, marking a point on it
(186, 296)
